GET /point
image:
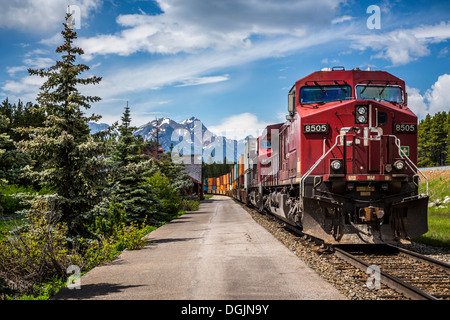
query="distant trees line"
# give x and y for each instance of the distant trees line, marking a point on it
(433, 140)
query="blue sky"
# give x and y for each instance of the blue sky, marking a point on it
(229, 63)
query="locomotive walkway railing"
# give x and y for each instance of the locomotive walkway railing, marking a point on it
(303, 178)
(409, 163)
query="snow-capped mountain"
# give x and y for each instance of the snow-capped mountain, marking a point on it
(187, 137)
(95, 127)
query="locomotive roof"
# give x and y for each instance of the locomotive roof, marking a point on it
(351, 77)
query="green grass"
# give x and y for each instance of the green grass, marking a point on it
(439, 216)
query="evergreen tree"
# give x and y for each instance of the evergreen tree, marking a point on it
(12, 162)
(439, 138)
(128, 148)
(20, 115)
(433, 140)
(178, 177)
(128, 175)
(424, 148)
(71, 162)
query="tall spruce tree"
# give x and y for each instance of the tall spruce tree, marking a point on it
(70, 161)
(128, 175)
(128, 148)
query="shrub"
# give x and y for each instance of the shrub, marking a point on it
(131, 237)
(97, 252)
(32, 259)
(165, 193)
(36, 254)
(107, 226)
(190, 205)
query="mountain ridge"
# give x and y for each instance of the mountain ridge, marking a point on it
(189, 136)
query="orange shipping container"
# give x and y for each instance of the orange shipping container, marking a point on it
(241, 165)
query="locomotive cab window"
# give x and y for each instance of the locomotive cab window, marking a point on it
(380, 93)
(314, 94)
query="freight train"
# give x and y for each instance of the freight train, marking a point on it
(343, 167)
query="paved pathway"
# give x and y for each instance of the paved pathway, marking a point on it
(218, 252)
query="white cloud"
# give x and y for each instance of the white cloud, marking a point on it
(400, 46)
(416, 102)
(13, 70)
(203, 80)
(403, 45)
(341, 19)
(190, 26)
(443, 53)
(24, 89)
(438, 96)
(237, 126)
(39, 62)
(435, 99)
(197, 69)
(36, 16)
(188, 69)
(26, 85)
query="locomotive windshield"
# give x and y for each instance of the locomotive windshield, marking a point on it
(313, 94)
(385, 93)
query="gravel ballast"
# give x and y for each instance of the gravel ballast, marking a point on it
(346, 278)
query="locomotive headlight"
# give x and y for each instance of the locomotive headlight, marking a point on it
(362, 119)
(336, 165)
(399, 165)
(361, 114)
(362, 110)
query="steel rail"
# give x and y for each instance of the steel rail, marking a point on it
(419, 257)
(385, 278)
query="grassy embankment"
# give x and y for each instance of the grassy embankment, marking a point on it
(439, 215)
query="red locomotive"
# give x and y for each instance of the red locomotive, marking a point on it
(343, 165)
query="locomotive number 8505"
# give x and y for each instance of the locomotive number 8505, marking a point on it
(315, 128)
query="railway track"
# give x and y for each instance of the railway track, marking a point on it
(408, 274)
(416, 276)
